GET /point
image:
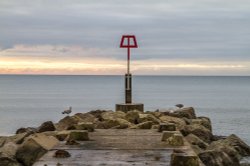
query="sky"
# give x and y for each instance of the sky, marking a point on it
(175, 37)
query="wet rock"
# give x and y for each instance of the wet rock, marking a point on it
(35, 147)
(198, 130)
(46, 126)
(78, 135)
(148, 117)
(143, 125)
(194, 140)
(133, 116)
(62, 154)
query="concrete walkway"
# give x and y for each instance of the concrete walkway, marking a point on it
(115, 147)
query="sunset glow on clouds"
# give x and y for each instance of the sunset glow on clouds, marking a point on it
(183, 37)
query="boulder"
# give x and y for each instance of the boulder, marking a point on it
(2, 141)
(113, 115)
(204, 121)
(167, 134)
(168, 119)
(35, 147)
(198, 130)
(9, 150)
(97, 113)
(85, 126)
(183, 159)
(67, 122)
(26, 130)
(166, 127)
(143, 125)
(194, 140)
(187, 112)
(62, 135)
(18, 138)
(133, 116)
(78, 135)
(218, 158)
(175, 140)
(61, 154)
(113, 123)
(7, 161)
(46, 126)
(148, 117)
(85, 117)
(234, 142)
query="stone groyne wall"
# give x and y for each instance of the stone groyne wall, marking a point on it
(179, 128)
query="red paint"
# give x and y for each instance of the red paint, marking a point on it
(131, 43)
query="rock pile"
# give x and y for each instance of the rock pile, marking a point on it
(29, 144)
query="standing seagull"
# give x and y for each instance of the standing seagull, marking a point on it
(179, 105)
(67, 111)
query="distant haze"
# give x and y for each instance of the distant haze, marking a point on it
(175, 37)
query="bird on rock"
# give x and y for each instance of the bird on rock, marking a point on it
(179, 105)
(68, 111)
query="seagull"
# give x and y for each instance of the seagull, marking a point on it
(179, 105)
(67, 111)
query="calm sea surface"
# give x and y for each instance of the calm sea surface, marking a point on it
(31, 100)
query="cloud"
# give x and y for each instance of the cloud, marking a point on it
(181, 30)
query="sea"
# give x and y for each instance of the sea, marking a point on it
(29, 100)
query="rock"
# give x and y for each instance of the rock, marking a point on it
(85, 126)
(35, 147)
(9, 150)
(187, 112)
(7, 161)
(62, 154)
(197, 149)
(143, 125)
(62, 135)
(72, 142)
(167, 134)
(183, 159)
(168, 119)
(18, 138)
(204, 121)
(194, 140)
(117, 123)
(97, 113)
(110, 115)
(155, 127)
(157, 114)
(26, 130)
(166, 127)
(86, 117)
(132, 116)
(198, 130)
(217, 158)
(67, 122)
(148, 117)
(46, 126)
(78, 135)
(2, 141)
(234, 142)
(175, 140)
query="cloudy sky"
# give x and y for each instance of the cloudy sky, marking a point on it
(175, 37)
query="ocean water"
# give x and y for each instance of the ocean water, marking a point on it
(30, 100)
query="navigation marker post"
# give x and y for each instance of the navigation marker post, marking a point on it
(128, 41)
